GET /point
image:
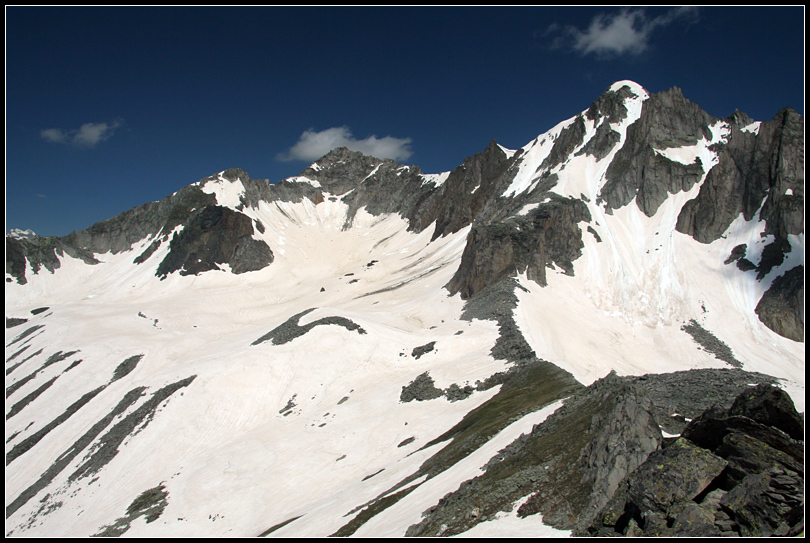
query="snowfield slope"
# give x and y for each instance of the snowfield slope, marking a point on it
(335, 353)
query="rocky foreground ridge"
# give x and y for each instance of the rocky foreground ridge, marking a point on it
(600, 466)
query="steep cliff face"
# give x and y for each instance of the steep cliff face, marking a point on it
(546, 237)
(215, 235)
(639, 171)
(760, 175)
(758, 171)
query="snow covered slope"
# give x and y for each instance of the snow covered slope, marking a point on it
(335, 353)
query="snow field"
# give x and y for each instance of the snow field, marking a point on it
(238, 465)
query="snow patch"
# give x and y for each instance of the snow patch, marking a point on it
(508, 152)
(436, 179)
(753, 128)
(228, 193)
(304, 179)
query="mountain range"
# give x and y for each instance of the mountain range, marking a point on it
(534, 343)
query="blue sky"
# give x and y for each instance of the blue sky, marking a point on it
(109, 108)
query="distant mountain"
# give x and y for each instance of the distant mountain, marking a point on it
(366, 349)
(21, 234)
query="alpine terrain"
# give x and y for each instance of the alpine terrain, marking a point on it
(599, 333)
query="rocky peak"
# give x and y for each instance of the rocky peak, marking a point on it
(611, 103)
(638, 172)
(234, 174)
(17, 233)
(341, 169)
(739, 119)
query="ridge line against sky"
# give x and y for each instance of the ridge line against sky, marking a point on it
(109, 108)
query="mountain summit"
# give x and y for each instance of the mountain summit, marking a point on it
(368, 349)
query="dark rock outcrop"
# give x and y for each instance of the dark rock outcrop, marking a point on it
(764, 170)
(154, 220)
(593, 441)
(638, 172)
(546, 236)
(423, 349)
(290, 329)
(764, 173)
(420, 389)
(599, 465)
(781, 308)
(733, 472)
(215, 235)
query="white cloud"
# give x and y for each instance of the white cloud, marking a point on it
(88, 135)
(625, 33)
(313, 145)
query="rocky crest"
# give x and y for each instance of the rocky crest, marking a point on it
(600, 466)
(759, 175)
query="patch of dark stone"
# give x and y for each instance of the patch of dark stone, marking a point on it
(26, 359)
(287, 409)
(107, 447)
(407, 441)
(745, 265)
(11, 322)
(290, 330)
(278, 526)
(39, 310)
(375, 507)
(19, 406)
(736, 254)
(423, 349)
(772, 255)
(710, 343)
(72, 365)
(125, 368)
(343, 399)
(53, 359)
(149, 504)
(26, 333)
(423, 388)
(122, 370)
(15, 355)
(141, 258)
(48, 505)
(367, 477)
